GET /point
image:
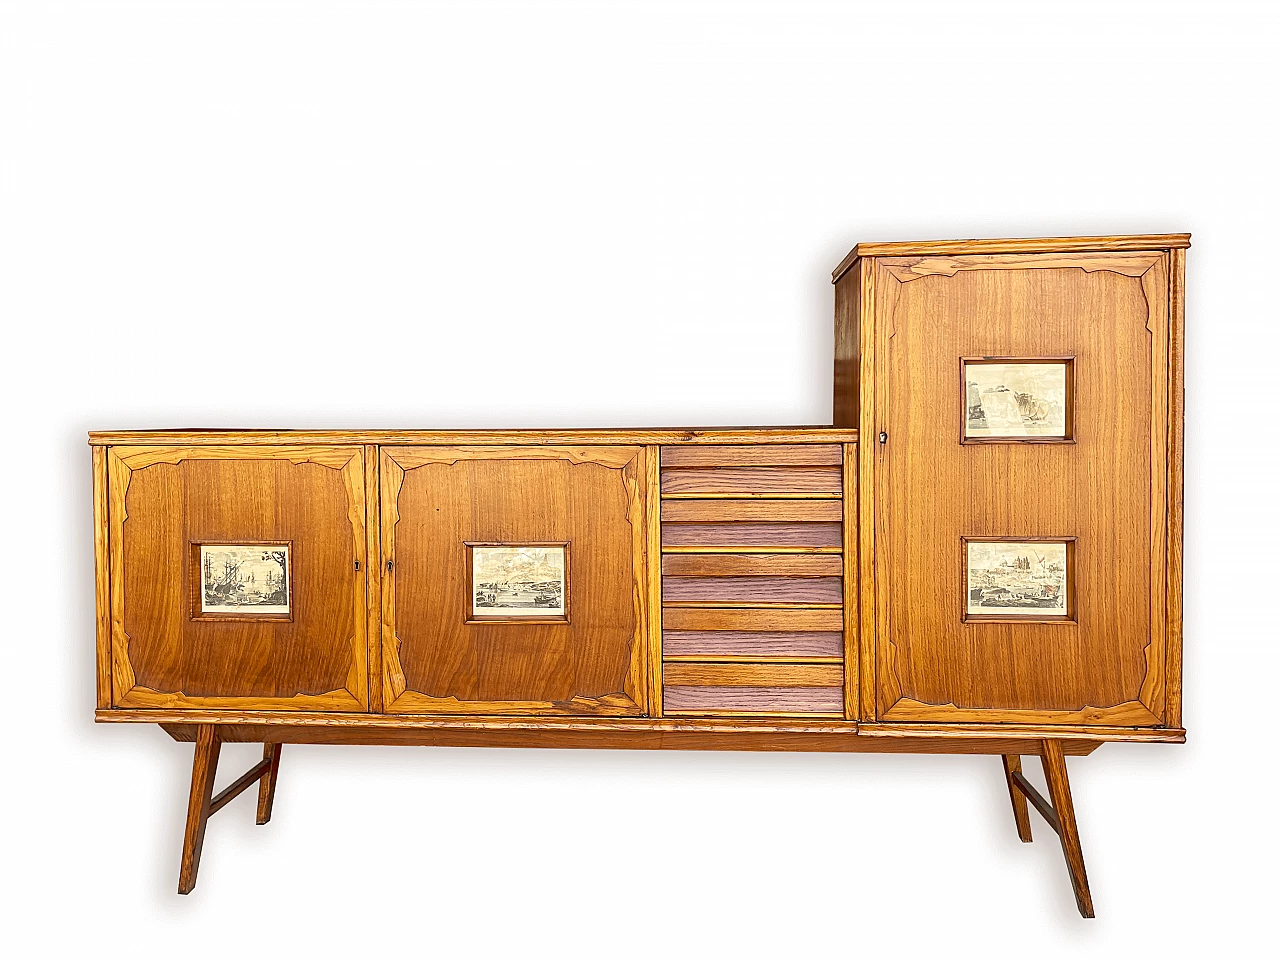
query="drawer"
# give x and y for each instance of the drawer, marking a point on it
(767, 633)
(762, 454)
(752, 481)
(771, 536)
(721, 688)
(753, 590)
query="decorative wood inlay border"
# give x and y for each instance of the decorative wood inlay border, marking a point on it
(122, 462)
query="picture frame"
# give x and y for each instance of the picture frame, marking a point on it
(528, 601)
(1011, 592)
(1017, 423)
(241, 607)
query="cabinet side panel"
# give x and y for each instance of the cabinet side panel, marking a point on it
(844, 408)
(1173, 668)
(101, 577)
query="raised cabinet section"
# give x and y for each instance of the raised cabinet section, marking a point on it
(753, 580)
(551, 615)
(238, 577)
(1021, 505)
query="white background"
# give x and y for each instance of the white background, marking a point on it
(491, 215)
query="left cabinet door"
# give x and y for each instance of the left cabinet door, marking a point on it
(238, 577)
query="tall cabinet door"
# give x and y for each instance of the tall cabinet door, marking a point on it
(1020, 422)
(514, 580)
(238, 577)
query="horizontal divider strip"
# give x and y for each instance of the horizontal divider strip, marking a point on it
(752, 605)
(794, 455)
(756, 548)
(754, 590)
(752, 479)
(751, 565)
(751, 534)
(763, 700)
(752, 674)
(777, 511)
(746, 658)
(737, 619)
(760, 644)
(747, 494)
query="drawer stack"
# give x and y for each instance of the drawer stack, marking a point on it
(752, 573)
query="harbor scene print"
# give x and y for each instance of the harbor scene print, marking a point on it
(1019, 579)
(518, 581)
(1015, 399)
(250, 578)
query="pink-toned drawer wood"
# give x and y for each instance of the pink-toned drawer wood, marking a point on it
(824, 701)
(758, 510)
(752, 643)
(752, 565)
(752, 589)
(752, 481)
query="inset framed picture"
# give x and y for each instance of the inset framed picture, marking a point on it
(1024, 579)
(246, 580)
(517, 582)
(1017, 399)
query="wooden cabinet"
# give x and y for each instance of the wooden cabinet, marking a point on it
(982, 555)
(1109, 486)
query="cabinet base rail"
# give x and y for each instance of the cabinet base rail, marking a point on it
(1057, 811)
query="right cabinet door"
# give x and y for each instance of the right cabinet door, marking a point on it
(1022, 471)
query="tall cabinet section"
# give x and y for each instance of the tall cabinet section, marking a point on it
(1020, 496)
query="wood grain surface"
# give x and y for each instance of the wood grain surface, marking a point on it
(745, 643)
(750, 590)
(751, 535)
(752, 674)
(779, 511)
(756, 700)
(797, 621)
(435, 500)
(760, 481)
(751, 565)
(743, 455)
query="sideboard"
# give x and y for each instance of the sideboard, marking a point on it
(983, 553)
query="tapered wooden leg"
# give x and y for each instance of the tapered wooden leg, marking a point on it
(1055, 773)
(1012, 765)
(267, 785)
(202, 773)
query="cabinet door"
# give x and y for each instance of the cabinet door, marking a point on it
(514, 580)
(238, 577)
(1023, 577)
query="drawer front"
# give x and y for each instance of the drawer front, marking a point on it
(753, 581)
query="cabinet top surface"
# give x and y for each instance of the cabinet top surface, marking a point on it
(636, 435)
(933, 248)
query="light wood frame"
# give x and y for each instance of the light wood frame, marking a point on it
(1069, 617)
(195, 583)
(121, 463)
(1069, 402)
(473, 617)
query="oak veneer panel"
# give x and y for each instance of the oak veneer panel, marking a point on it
(435, 500)
(752, 674)
(163, 499)
(751, 535)
(762, 481)
(752, 565)
(1109, 312)
(739, 455)
(744, 643)
(809, 700)
(797, 621)
(753, 589)
(780, 511)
